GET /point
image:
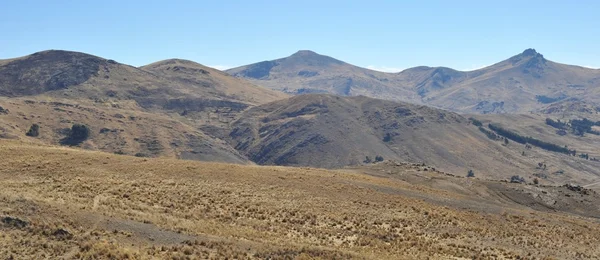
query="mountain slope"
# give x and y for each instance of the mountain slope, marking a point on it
(82, 76)
(309, 72)
(331, 131)
(525, 82)
(152, 112)
(114, 130)
(212, 81)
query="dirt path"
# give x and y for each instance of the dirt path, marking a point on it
(591, 184)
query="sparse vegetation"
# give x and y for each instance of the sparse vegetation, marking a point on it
(141, 155)
(517, 179)
(123, 207)
(34, 131)
(77, 134)
(488, 133)
(577, 126)
(530, 140)
(387, 137)
(470, 174)
(547, 100)
(475, 122)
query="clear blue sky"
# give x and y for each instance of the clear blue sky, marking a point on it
(382, 34)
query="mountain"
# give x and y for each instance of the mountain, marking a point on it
(150, 111)
(321, 130)
(523, 83)
(181, 109)
(159, 85)
(309, 72)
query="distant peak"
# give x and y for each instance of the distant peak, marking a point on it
(312, 58)
(530, 52)
(305, 53)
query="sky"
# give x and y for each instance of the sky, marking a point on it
(382, 35)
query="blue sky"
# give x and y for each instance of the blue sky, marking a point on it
(385, 35)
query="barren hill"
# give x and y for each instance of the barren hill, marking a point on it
(331, 131)
(129, 110)
(212, 82)
(525, 82)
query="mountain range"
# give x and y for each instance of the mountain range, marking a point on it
(520, 84)
(181, 109)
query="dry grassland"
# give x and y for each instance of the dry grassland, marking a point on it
(59, 202)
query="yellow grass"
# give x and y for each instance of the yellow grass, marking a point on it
(121, 207)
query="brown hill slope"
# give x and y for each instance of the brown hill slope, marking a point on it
(331, 131)
(112, 130)
(82, 76)
(213, 81)
(64, 203)
(522, 83)
(129, 110)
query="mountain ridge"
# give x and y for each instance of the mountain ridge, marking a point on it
(508, 86)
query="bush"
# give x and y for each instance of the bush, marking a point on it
(34, 131)
(387, 138)
(141, 155)
(378, 158)
(470, 174)
(77, 135)
(517, 179)
(475, 122)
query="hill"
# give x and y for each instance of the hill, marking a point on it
(525, 82)
(328, 131)
(65, 203)
(151, 111)
(212, 81)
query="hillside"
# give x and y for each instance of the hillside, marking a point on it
(112, 130)
(151, 111)
(525, 82)
(330, 131)
(212, 81)
(65, 203)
